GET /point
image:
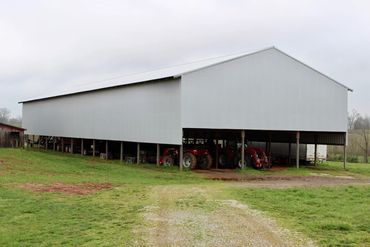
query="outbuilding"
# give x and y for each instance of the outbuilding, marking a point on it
(266, 96)
(11, 136)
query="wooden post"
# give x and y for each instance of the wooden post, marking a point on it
(242, 149)
(106, 150)
(94, 148)
(345, 152)
(46, 143)
(217, 155)
(315, 158)
(181, 155)
(71, 146)
(344, 156)
(297, 151)
(158, 154)
(55, 143)
(290, 154)
(62, 145)
(138, 154)
(82, 147)
(121, 152)
(266, 147)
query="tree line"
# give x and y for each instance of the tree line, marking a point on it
(358, 134)
(6, 118)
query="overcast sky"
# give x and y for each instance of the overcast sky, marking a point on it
(48, 46)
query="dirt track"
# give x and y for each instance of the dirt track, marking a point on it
(281, 181)
(196, 216)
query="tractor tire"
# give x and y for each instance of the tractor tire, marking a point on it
(222, 161)
(205, 161)
(238, 162)
(189, 161)
(168, 161)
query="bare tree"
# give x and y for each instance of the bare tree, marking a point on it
(16, 121)
(363, 125)
(4, 115)
(352, 118)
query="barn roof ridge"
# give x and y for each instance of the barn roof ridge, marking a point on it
(170, 72)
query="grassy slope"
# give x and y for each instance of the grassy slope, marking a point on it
(333, 216)
(330, 167)
(105, 218)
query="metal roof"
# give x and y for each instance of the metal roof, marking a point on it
(160, 74)
(12, 126)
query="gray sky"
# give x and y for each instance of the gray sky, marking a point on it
(48, 46)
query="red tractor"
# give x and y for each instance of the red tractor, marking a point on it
(231, 157)
(263, 157)
(193, 158)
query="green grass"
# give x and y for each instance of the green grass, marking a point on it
(355, 168)
(106, 218)
(329, 167)
(332, 216)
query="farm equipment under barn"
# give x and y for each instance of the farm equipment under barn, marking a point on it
(230, 157)
(193, 158)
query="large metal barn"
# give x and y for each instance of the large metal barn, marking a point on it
(266, 96)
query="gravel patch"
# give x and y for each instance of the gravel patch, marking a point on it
(183, 216)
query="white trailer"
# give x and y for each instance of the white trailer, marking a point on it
(306, 151)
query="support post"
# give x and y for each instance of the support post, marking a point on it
(82, 147)
(55, 143)
(62, 145)
(297, 151)
(242, 149)
(106, 150)
(121, 152)
(46, 143)
(266, 147)
(138, 154)
(25, 141)
(71, 146)
(290, 154)
(158, 153)
(315, 153)
(217, 154)
(345, 152)
(181, 155)
(94, 148)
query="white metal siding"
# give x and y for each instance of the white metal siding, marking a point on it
(266, 91)
(148, 112)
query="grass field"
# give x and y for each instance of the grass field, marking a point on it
(335, 216)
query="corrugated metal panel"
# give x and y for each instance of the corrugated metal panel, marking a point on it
(147, 112)
(174, 71)
(268, 90)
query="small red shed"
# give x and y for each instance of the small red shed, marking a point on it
(11, 136)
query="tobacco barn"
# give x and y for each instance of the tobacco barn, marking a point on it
(186, 112)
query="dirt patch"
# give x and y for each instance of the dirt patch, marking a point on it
(193, 216)
(282, 181)
(76, 189)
